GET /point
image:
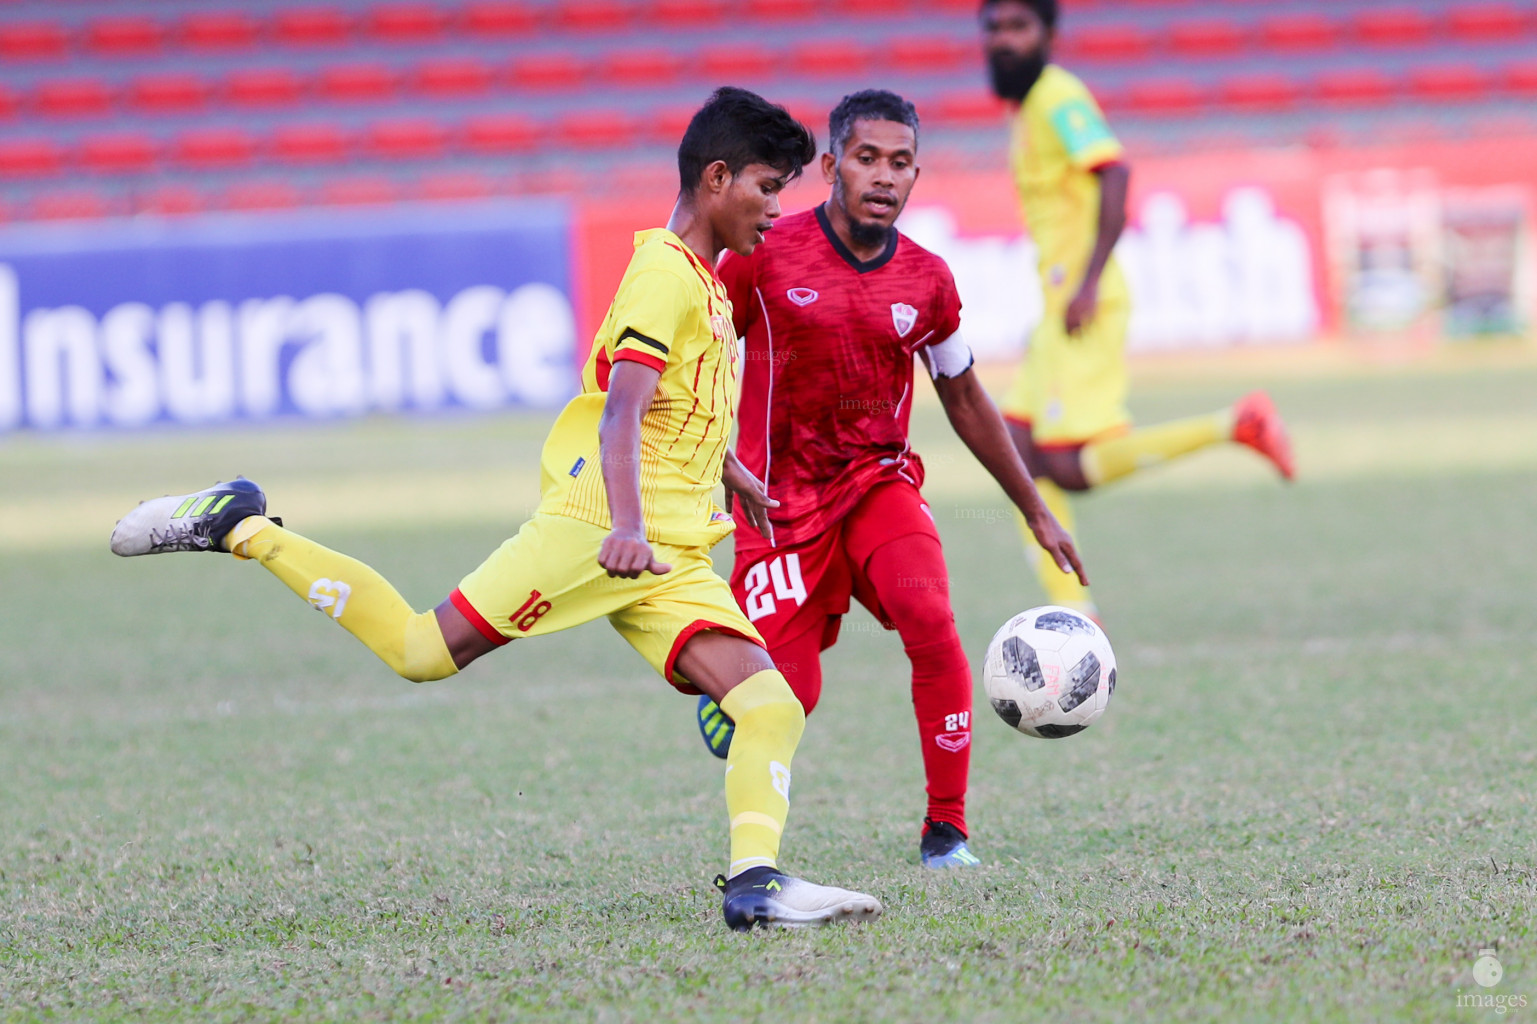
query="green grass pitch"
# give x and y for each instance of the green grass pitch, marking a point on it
(1311, 799)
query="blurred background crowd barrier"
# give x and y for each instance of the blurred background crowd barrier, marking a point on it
(219, 210)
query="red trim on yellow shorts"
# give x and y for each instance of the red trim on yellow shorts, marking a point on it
(476, 619)
(698, 626)
(1018, 421)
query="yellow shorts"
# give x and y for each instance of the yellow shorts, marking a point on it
(547, 578)
(1071, 389)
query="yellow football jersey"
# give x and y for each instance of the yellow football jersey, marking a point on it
(670, 313)
(1059, 138)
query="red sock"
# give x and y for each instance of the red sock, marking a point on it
(910, 581)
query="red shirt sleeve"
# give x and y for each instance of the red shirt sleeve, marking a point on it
(947, 303)
(739, 274)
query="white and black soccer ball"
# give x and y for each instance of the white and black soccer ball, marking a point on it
(1050, 672)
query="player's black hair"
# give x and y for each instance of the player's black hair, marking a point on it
(868, 105)
(742, 128)
(1046, 10)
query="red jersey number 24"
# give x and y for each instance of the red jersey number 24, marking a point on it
(785, 575)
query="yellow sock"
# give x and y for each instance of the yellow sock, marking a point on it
(1061, 587)
(1115, 457)
(769, 721)
(350, 592)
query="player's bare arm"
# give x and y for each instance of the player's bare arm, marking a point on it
(1114, 179)
(741, 484)
(979, 425)
(625, 551)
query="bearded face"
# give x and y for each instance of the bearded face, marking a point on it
(1013, 74)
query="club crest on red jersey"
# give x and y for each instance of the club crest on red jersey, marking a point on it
(904, 316)
(801, 296)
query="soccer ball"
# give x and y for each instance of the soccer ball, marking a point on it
(1050, 672)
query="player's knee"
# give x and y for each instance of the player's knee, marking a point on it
(424, 653)
(767, 706)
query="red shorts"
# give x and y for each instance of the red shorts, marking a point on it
(789, 589)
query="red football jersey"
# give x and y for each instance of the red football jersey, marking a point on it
(827, 379)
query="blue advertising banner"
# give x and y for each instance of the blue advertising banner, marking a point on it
(314, 314)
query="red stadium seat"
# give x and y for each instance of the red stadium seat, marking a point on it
(262, 195)
(549, 70)
(669, 123)
(30, 158)
(219, 30)
(450, 77)
(968, 107)
(723, 64)
(1488, 22)
(1109, 42)
(497, 19)
(125, 37)
(263, 87)
(169, 94)
(33, 40)
(1448, 83)
(596, 129)
(1520, 78)
(357, 83)
(783, 10)
(1165, 96)
(407, 23)
(1298, 32)
(1393, 26)
(641, 68)
(118, 153)
(212, 148)
(871, 7)
(830, 57)
(496, 134)
(1207, 38)
(1358, 86)
(1259, 92)
(72, 97)
(683, 14)
(310, 144)
(407, 139)
(359, 191)
(74, 204)
(455, 185)
(169, 201)
(312, 26)
(593, 15)
(931, 53)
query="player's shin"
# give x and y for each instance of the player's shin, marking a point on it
(769, 722)
(1061, 588)
(942, 705)
(1145, 447)
(346, 590)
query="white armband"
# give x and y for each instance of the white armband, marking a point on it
(949, 358)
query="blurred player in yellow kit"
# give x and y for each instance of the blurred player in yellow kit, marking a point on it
(627, 516)
(1067, 407)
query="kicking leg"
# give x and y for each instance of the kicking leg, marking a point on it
(231, 517)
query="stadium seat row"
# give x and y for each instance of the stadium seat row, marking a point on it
(419, 23)
(278, 89)
(314, 143)
(409, 23)
(459, 77)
